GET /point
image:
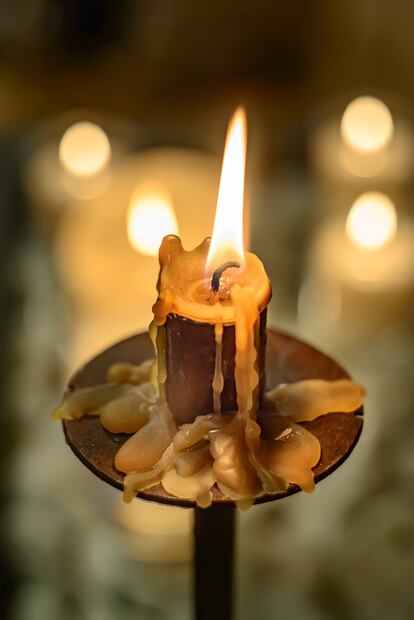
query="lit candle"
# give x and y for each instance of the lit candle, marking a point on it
(367, 143)
(108, 258)
(107, 247)
(193, 415)
(360, 274)
(211, 308)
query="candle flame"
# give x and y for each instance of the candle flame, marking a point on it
(151, 217)
(372, 221)
(367, 125)
(227, 240)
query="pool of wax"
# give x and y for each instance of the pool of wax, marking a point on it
(243, 456)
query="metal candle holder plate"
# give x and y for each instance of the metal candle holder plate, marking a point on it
(287, 360)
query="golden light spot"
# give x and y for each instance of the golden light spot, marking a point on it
(84, 149)
(151, 217)
(372, 221)
(367, 124)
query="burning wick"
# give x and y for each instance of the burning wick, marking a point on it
(215, 280)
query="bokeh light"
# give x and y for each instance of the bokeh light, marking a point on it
(84, 149)
(151, 216)
(372, 221)
(367, 124)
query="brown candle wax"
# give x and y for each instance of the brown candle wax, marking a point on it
(201, 332)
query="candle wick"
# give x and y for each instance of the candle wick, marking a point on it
(215, 280)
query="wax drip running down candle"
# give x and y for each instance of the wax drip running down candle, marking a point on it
(218, 379)
(194, 417)
(188, 313)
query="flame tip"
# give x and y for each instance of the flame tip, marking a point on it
(227, 239)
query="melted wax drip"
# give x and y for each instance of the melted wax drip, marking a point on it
(243, 457)
(218, 380)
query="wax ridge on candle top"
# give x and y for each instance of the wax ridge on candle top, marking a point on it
(184, 284)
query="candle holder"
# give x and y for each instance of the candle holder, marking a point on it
(287, 360)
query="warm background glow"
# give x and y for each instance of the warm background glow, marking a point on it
(162, 81)
(227, 239)
(151, 217)
(158, 533)
(367, 124)
(84, 149)
(372, 221)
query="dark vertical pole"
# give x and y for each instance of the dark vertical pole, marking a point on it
(214, 532)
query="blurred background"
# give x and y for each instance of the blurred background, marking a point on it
(112, 116)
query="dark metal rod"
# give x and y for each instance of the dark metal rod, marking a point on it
(214, 533)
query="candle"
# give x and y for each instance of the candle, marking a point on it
(208, 299)
(360, 276)
(105, 306)
(366, 144)
(107, 248)
(193, 415)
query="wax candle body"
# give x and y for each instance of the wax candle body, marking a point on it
(191, 362)
(202, 335)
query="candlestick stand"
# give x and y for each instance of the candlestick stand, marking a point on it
(287, 360)
(214, 532)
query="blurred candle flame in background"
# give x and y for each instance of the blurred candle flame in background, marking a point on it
(84, 149)
(151, 217)
(371, 221)
(84, 155)
(227, 240)
(367, 124)
(368, 146)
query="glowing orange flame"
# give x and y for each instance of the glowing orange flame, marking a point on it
(227, 240)
(151, 217)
